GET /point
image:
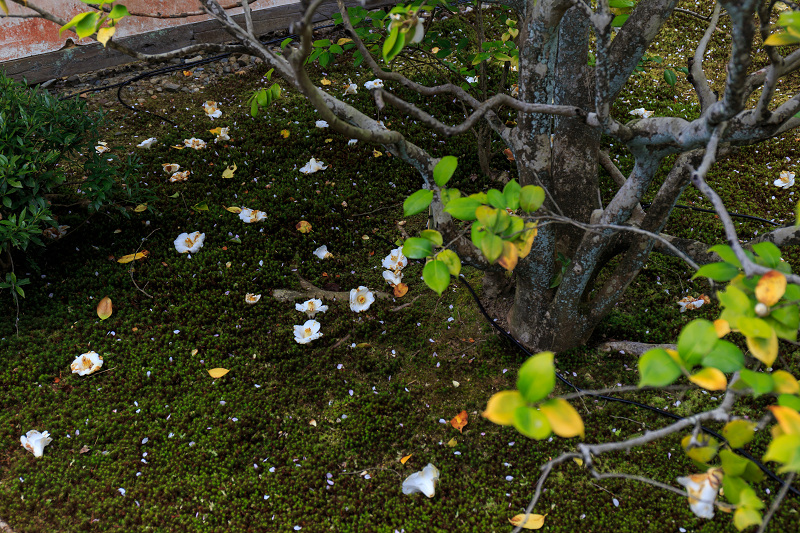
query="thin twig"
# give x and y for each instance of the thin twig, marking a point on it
(132, 269)
(777, 501)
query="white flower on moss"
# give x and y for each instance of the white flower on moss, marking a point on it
(361, 299)
(321, 124)
(395, 260)
(393, 277)
(323, 253)
(352, 142)
(307, 332)
(249, 216)
(252, 298)
(34, 442)
(313, 166)
(350, 87)
(690, 303)
(222, 135)
(423, 481)
(785, 180)
(102, 147)
(194, 142)
(170, 168)
(211, 109)
(87, 363)
(703, 489)
(374, 84)
(189, 242)
(147, 143)
(178, 177)
(642, 112)
(311, 307)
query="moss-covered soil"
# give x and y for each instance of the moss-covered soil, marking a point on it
(310, 436)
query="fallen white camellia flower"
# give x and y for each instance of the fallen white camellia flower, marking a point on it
(180, 176)
(311, 307)
(690, 302)
(703, 489)
(212, 110)
(350, 87)
(194, 142)
(34, 442)
(321, 124)
(189, 243)
(55, 233)
(393, 277)
(313, 166)
(395, 260)
(249, 216)
(642, 112)
(147, 143)
(423, 481)
(785, 181)
(101, 147)
(374, 84)
(222, 135)
(307, 332)
(252, 298)
(170, 168)
(323, 253)
(87, 363)
(361, 299)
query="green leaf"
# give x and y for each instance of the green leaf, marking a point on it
(285, 42)
(735, 300)
(436, 275)
(417, 248)
(696, 340)
(322, 43)
(769, 253)
(444, 170)
(451, 259)
(463, 208)
(717, 271)
(432, 235)
(491, 246)
(537, 377)
(754, 327)
(531, 423)
(732, 464)
(531, 198)
(753, 473)
(758, 381)
(86, 26)
(784, 449)
(74, 22)
(118, 11)
(781, 39)
(496, 199)
(789, 400)
(745, 517)
(448, 195)
(657, 368)
(511, 193)
(738, 433)
(254, 107)
(724, 356)
(619, 20)
(733, 487)
(670, 77)
(417, 202)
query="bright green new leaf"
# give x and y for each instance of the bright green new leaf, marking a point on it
(75, 21)
(444, 170)
(724, 356)
(491, 246)
(758, 381)
(432, 235)
(785, 449)
(739, 432)
(463, 208)
(417, 202)
(86, 26)
(619, 20)
(451, 259)
(531, 423)
(768, 253)
(726, 254)
(511, 194)
(696, 340)
(732, 464)
(670, 77)
(531, 198)
(717, 271)
(537, 377)
(657, 369)
(789, 400)
(417, 248)
(436, 275)
(496, 199)
(118, 11)
(733, 487)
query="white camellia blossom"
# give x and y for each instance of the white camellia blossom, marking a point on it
(374, 84)
(34, 442)
(321, 124)
(211, 109)
(419, 32)
(307, 332)
(313, 166)
(252, 298)
(102, 147)
(180, 176)
(703, 489)
(393, 277)
(323, 253)
(147, 143)
(690, 302)
(785, 181)
(194, 142)
(189, 243)
(87, 363)
(423, 481)
(249, 216)
(311, 307)
(361, 299)
(222, 135)
(395, 260)
(350, 87)
(642, 112)
(170, 168)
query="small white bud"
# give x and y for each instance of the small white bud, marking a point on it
(762, 310)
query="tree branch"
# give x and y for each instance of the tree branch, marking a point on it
(777, 502)
(697, 75)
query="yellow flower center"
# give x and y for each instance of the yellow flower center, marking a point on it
(311, 306)
(361, 299)
(307, 333)
(189, 242)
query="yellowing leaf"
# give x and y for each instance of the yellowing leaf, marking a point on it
(328, 141)
(141, 207)
(578, 462)
(459, 421)
(312, 422)
(133, 257)
(788, 419)
(285, 134)
(501, 406)
(376, 153)
(770, 288)
(218, 372)
(343, 40)
(722, 327)
(785, 383)
(228, 172)
(178, 147)
(526, 242)
(104, 34)
(400, 290)
(363, 345)
(187, 73)
(216, 131)
(710, 379)
(104, 308)
(303, 226)
(509, 257)
(195, 351)
(325, 81)
(235, 210)
(765, 350)
(564, 419)
(452, 443)
(534, 521)
(406, 458)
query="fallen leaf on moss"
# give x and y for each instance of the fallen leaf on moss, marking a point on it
(534, 521)
(325, 81)
(218, 372)
(141, 207)
(459, 421)
(285, 134)
(406, 458)
(235, 210)
(104, 308)
(228, 172)
(133, 257)
(400, 290)
(303, 226)
(452, 443)
(509, 154)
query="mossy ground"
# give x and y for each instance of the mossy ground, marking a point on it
(239, 453)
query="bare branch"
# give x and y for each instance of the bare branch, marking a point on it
(774, 69)
(546, 469)
(698, 75)
(159, 15)
(248, 17)
(787, 483)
